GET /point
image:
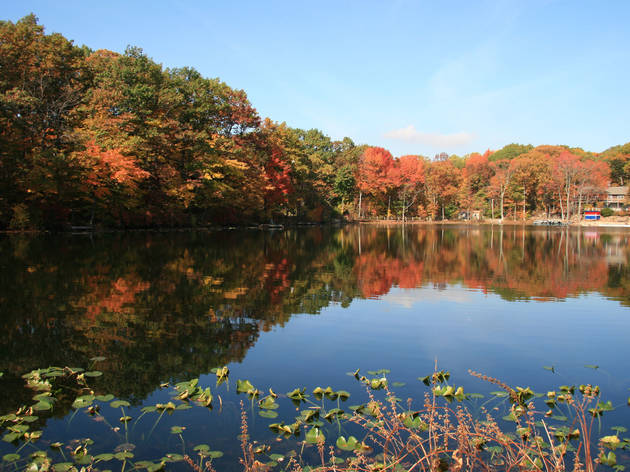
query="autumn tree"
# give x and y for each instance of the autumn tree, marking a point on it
(407, 176)
(442, 183)
(374, 175)
(42, 83)
(476, 177)
(501, 180)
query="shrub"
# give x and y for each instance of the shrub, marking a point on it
(606, 212)
(21, 219)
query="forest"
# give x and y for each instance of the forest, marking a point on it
(116, 140)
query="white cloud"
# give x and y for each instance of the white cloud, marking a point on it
(436, 140)
(409, 297)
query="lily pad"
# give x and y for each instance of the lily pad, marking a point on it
(349, 444)
(63, 466)
(119, 403)
(315, 436)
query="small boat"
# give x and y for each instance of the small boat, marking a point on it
(550, 223)
(271, 226)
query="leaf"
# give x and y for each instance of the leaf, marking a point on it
(10, 457)
(97, 359)
(611, 442)
(119, 403)
(201, 447)
(591, 366)
(83, 401)
(343, 395)
(63, 466)
(93, 373)
(500, 394)
(315, 436)
(550, 368)
(268, 403)
(123, 455)
(104, 457)
(215, 454)
(105, 398)
(244, 386)
(177, 429)
(42, 406)
(347, 445)
(268, 414)
(10, 437)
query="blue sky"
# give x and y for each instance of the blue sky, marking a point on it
(416, 77)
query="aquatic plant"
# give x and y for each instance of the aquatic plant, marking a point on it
(450, 430)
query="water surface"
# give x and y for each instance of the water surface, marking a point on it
(301, 308)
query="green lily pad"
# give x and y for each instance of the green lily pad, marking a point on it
(315, 435)
(42, 406)
(93, 373)
(123, 455)
(63, 466)
(119, 403)
(10, 437)
(10, 457)
(349, 444)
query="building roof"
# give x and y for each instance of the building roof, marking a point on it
(617, 190)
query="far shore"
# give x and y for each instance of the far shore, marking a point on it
(612, 222)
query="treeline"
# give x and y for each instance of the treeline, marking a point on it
(101, 138)
(516, 181)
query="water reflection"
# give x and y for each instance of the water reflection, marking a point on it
(161, 306)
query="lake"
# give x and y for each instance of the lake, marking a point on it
(537, 307)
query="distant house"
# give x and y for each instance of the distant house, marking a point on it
(616, 197)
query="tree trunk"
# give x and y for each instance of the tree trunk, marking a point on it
(404, 208)
(442, 212)
(360, 195)
(492, 206)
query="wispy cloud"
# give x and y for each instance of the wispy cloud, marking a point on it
(411, 135)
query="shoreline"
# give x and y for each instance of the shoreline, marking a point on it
(573, 224)
(281, 227)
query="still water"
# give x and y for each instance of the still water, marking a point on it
(302, 308)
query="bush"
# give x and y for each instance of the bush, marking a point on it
(606, 212)
(21, 219)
